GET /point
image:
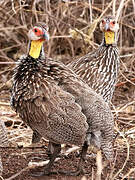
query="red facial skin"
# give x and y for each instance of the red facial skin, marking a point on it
(111, 24)
(103, 22)
(38, 32)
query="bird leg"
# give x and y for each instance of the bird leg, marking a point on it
(36, 137)
(47, 169)
(82, 158)
(80, 164)
(50, 149)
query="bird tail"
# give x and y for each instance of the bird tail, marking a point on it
(107, 148)
(3, 135)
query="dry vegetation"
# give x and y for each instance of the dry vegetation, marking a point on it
(74, 31)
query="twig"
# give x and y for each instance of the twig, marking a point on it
(11, 47)
(7, 84)
(127, 175)
(133, 5)
(4, 104)
(9, 63)
(33, 165)
(127, 78)
(90, 11)
(115, 110)
(127, 25)
(17, 174)
(119, 9)
(99, 165)
(127, 158)
(123, 122)
(92, 176)
(103, 5)
(1, 178)
(50, 43)
(12, 28)
(73, 149)
(114, 8)
(33, 8)
(64, 36)
(124, 107)
(122, 83)
(109, 5)
(126, 49)
(84, 178)
(13, 7)
(127, 55)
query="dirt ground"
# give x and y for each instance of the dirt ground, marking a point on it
(14, 160)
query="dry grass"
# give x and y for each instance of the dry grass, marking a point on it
(74, 31)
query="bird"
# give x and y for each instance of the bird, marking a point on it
(58, 105)
(99, 68)
(3, 141)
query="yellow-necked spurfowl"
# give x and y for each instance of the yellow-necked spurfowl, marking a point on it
(99, 69)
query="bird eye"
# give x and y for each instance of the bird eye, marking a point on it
(113, 22)
(38, 31)
(35, 30)
(103, 21)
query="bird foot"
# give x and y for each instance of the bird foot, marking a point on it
(36, 158)
(46, 171)
(48, 152)
(72, 173)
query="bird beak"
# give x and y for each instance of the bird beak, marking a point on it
(107, 27)
(46, 35)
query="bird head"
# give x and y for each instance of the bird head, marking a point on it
(110, 28)
(37, 36)
(39, 32)
(108, 23)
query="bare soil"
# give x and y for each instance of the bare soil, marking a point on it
(15, 159)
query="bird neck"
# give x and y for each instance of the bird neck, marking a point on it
(109, 38)
(36, 48)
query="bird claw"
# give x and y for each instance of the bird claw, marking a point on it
(36, 158)
(38, 174)
(73, 173)
(43, 173)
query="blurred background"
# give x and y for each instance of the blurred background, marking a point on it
(74, 31)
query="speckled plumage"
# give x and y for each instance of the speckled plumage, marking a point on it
(99, 69)
(3, 141)
(47, 94)
(3, 135)
(58, 105)
(43, 105)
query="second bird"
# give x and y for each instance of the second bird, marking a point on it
(99, 69)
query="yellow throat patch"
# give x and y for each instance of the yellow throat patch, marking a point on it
(35, 48)
(109, 37)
